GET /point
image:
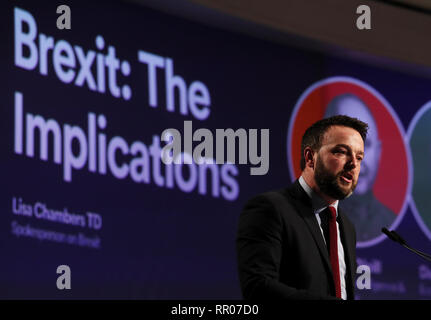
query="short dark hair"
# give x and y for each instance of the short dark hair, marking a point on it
(313, 136)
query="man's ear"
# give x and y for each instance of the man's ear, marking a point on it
(309, 157)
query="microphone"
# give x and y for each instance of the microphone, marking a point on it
(394, 236)
(389, 234)
(398, 239)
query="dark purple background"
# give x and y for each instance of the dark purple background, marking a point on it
(159, 243)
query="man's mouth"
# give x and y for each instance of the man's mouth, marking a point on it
(347, 177)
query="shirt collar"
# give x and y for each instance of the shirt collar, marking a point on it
(317, 202)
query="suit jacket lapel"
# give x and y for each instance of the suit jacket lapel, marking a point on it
(304, 207)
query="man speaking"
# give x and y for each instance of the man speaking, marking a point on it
(296, 243)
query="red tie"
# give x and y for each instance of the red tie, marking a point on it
(333, 250)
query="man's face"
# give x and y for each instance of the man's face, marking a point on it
(338, 162)
(357, 109)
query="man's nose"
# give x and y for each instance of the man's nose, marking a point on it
(352, 163)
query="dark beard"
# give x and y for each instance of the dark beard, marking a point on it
(328, 183)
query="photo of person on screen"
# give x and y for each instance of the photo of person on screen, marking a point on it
(366, 212)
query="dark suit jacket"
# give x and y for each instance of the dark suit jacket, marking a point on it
(281, 252)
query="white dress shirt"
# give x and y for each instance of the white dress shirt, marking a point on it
(318, 206)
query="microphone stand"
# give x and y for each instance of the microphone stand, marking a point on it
(398, 239)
